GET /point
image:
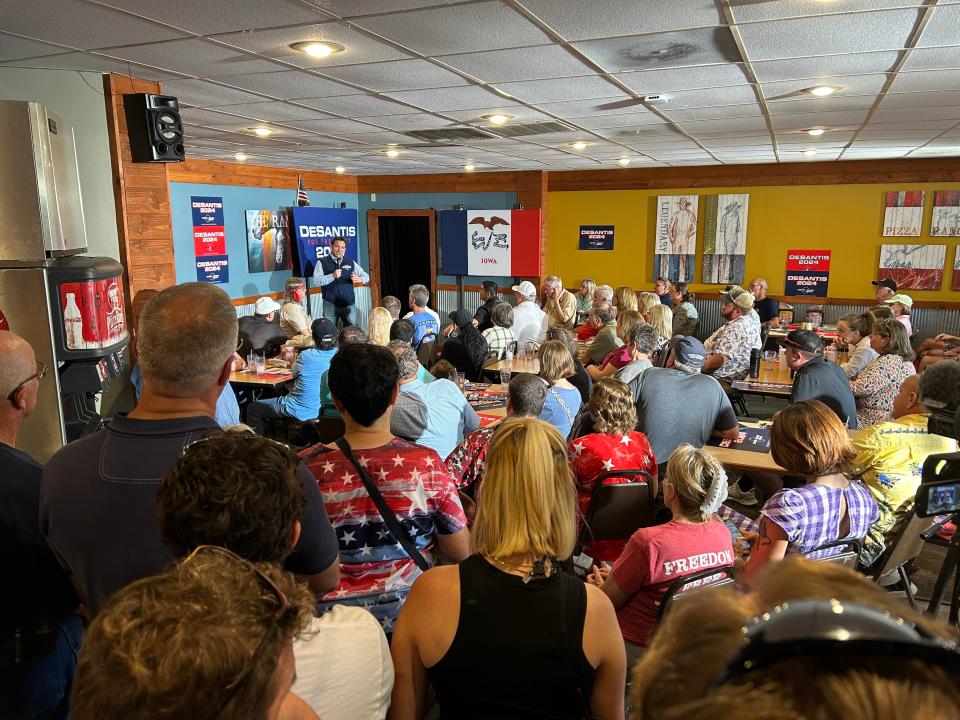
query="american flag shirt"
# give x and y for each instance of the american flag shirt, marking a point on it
(376, 572)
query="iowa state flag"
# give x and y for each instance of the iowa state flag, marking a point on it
(494, 243)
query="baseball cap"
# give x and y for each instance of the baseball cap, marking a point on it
(461, 317)
(688, 351)
(323, 329)
(527, 289)
(805, 340)
(902, 299)
(265, 306)
(886, 282)
(738, 296)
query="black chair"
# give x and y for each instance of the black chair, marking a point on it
(694, 582)
(848, 555)
(425, 350)
(618, 510)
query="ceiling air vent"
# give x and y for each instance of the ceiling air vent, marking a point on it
(525, 129)
(450, 134)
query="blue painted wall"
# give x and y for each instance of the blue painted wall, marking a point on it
(237, 200)
(437, 201)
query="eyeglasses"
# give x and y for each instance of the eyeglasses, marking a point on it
(39, 375)
(283, 605)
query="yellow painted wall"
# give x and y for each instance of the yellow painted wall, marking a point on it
(846, 219)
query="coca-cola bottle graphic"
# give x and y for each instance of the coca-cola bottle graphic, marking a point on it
(73, 324)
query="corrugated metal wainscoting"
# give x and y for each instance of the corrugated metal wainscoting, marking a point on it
(361, 310)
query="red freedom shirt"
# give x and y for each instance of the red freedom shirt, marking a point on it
(654, 558)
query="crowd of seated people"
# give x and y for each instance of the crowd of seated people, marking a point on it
(151, 529)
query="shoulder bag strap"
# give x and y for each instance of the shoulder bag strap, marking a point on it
(389, 517)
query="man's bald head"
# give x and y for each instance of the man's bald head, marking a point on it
(907, 401)
(17, 362)
(185, 337)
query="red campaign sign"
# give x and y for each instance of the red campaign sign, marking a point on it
(808, 260)
(209, 240)
(92, 313)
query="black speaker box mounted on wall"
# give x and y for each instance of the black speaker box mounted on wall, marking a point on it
(154, 128)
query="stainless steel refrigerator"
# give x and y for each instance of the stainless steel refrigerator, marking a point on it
(67, 305)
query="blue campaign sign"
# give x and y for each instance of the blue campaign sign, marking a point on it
(809, 283)
(315, 227)
(596, 237)
(213, 269)
(207, 211)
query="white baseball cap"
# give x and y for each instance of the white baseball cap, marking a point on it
(527, 289)
(265, 306)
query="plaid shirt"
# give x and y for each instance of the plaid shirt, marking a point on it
(468, 461)
(498, 338)
(734, 341)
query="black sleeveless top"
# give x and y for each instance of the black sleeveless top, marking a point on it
(518, 651)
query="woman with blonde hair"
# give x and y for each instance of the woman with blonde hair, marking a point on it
(585, 298)
(378, 326)
(624, 298)
(645, 301)
(558, 652)
(293, 318)
(618, 357)
(661, 318)
(563, 399)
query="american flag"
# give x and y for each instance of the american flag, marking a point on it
(302, 199)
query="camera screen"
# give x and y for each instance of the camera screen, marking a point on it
(943, 498)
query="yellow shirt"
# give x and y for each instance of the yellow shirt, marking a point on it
(889, 459)
(568, 303)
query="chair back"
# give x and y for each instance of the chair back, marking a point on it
(425, 350)
(618, 510)
(694, 582)
(903, 548)
(848, 552)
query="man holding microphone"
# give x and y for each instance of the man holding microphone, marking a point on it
(338, 276)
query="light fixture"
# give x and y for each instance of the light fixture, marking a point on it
(261, 131)
(317, 48)
(393, 152)
(816, 132)
(810, 153)
(579, 145)
(469, 168)
(624, 161)
(497, 118)
(240, 157)
(822, 90)
(340, 169)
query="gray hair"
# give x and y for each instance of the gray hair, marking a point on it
(406, 358)
(392, 304)
(553, 280)
(420, 295)
(15, 362)
(602, 311)
(643, 337)
(186, 335)
(502, 315)
(605, 292)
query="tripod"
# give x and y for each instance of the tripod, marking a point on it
(951, 564)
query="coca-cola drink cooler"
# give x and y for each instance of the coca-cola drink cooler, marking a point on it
(68, 306)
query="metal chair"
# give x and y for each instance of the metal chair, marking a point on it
(902, 550)
(693, 583)
(848, 555)
(618, 510)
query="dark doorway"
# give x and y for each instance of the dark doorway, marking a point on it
(401, 252)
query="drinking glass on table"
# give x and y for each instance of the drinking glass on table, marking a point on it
(505, 376)
(770, 357)
(454, 378)
(260, 364)
(509, 354)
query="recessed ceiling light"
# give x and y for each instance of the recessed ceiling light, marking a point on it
(317, 48)
(469, 168)
(810, 153)
(497, 118)
(624, 161)
(822, 90)
(579, 145)
(816, 132)
(240, 157)
(340, 169)
(392, 153)
(261, 131)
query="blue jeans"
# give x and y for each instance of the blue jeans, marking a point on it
(259, 411)
(41, 689)
(339, 315)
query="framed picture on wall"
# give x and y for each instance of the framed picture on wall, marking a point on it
(268, 241)
(913, 267)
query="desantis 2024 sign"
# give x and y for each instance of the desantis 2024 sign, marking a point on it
(315, 228)
(808, 273)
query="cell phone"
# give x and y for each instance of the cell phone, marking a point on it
(938, 498)
(735, 533)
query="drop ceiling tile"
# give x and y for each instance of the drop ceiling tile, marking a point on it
(383, 137)
(729, 144)
(563, 89)
(274, 111)
(833, 136)
(942, 28)
(355, 8)
(530, 63)
(418, 121)
(814, 105)
(933, 58)
(220, 16)
(616, 121)
(398, 75)
(79, 24)
(824, 67)
(200, 93)
(920, 99)
(712, 113)
(13, 47)
(92, 62)
(828, 34)
(915, 124)
(663, 50)
(213, 118)
(713, 97)
(460, 28)
(647, 82)
(749, 10)
(453, 98)
(893, 115)
(290, 85)
(714, 127)
(829, 119)
(520, 113)
(873, 153)
(849, 84)
(937, 151)
(583, 20)
(927, 80)
(353, 106)
(333, 126)
(194, 57)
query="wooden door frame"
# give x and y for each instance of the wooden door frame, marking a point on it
(373, 249)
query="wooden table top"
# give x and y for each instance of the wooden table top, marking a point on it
(774, 380)
(756, 461)
(527, 365)
(247, 377)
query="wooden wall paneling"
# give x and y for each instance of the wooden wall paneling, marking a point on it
(142, 200)
(213, 172)
(919, 170)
